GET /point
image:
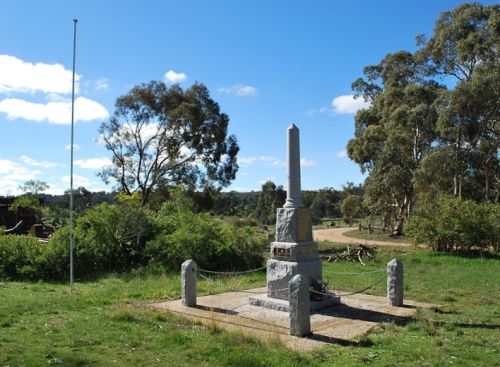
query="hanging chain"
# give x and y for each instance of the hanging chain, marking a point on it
(362, 273)
(229, 273)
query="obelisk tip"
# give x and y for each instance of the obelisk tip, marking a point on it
(293, 127)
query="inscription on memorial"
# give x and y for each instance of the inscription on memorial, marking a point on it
(303, 225)
(281, 252)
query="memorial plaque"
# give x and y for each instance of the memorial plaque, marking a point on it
(281, 252)
(303, 224)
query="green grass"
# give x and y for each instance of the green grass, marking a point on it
(106, 322)
(376, 236)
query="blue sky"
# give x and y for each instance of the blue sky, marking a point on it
(267, 63)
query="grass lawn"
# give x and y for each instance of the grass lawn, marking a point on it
(107, 323)
(376, 236)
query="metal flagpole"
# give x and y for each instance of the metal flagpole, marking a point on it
(71, 217)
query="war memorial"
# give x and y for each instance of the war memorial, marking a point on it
(297, 305)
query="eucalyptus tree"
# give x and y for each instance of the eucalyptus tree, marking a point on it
(163, 136)
(464, 50)
(394, 134)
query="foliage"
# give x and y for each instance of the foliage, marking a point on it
(26, 202)
(162, 135)
(464, 48)
(394, 134)
(110, 237)
(453, 224)
(416, 127)
(34, 187)
(18, 256)
(127, 235)
(325, 204)
(352, 206)
(29, 204)
(209, 241)
(271, 198)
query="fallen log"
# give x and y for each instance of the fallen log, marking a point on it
(355, 254)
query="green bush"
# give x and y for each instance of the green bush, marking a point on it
(209, 241)
(124, 236)
(19, 256)
(453, 224)
(108, 237)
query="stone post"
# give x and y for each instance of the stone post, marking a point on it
(293, 193)
(298, 295)
(188, 280)
(395, 282)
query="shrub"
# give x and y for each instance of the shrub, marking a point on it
(108, 237)
(19, 256)
(124, 236)
(449, 223)
(209, 241)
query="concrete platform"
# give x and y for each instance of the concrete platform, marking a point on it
(263, 300)
(343, 323)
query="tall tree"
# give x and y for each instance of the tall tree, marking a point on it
(271, 198)
(34, 187)
(162, 136)
(393, 135)
(464, 48)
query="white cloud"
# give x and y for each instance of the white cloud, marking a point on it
(75, 147)
(318, 111)
(44, 164)
(54, 112)
(17, 75)
(240, 90)
(77, 181)
(174, 77)
(271, 160)
(12, 175)
(92, 163)
(342, 154)
(304, 162)
(348, 104)
(246, 161)
(101, 84)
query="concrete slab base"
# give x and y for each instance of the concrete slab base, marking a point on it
(343, 323)
(263, 300)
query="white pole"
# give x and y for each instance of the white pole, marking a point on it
(71, 217)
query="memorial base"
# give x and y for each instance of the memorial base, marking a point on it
(280, 272)
(263, 300)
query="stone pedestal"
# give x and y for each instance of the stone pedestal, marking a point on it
(294, 252)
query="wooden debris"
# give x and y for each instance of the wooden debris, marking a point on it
(355, 254)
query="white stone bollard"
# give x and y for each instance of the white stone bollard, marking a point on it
(299, 305)
(188, 280)
(395, 282)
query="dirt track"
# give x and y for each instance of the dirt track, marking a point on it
(337, 235)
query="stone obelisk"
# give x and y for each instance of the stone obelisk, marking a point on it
(294, 251)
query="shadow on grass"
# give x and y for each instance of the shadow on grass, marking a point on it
(354, 313)
(364, 342)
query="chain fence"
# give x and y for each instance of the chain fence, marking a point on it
(231, 273)
(352, 293)
(361, 273)
(205, 274)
